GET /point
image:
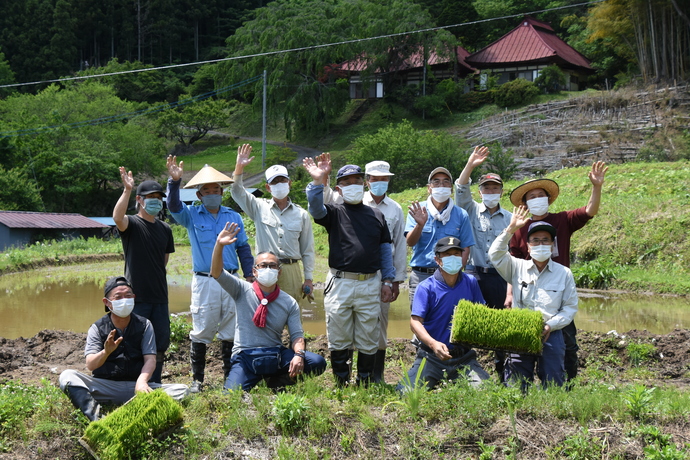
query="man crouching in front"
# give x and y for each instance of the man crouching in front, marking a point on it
(263, 311)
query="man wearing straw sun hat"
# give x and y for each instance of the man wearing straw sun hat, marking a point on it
(537, 195)
(213, 309)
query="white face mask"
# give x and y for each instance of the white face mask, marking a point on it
(440, 194)
(267, 276)
(352, 194)
(122, 307)
(540, 253)
(280, 190)
(491, 200)
(538, 206)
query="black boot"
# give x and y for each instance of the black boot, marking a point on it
(340, 362)
(365, 368)
(82, 400)
(379, 366)
(226, 353)
(197, 356)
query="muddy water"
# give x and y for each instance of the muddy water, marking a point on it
(74, 305)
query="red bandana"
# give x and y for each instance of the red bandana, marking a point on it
(262, 310)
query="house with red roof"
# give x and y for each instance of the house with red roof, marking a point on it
(526, 50)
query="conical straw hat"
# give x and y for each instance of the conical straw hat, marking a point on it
(209, 175)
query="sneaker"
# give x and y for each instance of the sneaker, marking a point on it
(196, 387)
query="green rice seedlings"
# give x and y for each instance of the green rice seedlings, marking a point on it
(121, 433)
(516, 330)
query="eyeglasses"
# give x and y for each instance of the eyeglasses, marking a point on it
(540, 242)
(265, 265)
(440, 182)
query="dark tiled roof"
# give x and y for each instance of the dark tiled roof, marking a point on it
(532, 41)
(25, 219)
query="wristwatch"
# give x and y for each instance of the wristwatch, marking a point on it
(388, 283)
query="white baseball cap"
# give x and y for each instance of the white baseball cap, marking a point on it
(378, 168)
(275, 171)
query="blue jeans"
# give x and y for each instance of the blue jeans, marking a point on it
(550, 369)
(245, 373)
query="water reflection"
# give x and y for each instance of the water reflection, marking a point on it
(75, 305)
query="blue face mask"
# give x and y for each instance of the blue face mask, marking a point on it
(212, 201)
(153, 206)
(378, 188)
(451, 264)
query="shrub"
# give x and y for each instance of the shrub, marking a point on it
(474, 99)
(595, 274)
(432, 106)
(502, 162)
(640, 352)
(517, 329)
(516, 92)
(551, 79)
(290, 412)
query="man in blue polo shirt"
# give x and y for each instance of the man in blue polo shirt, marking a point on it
(432, 313)
(432, 220)
(213, 309)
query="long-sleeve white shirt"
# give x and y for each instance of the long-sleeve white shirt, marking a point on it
(551, 292)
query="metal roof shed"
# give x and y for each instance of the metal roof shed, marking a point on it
(19, 228)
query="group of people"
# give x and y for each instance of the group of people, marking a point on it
(460, 250)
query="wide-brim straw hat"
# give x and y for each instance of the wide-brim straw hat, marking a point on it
(550, 186)
(209, 175)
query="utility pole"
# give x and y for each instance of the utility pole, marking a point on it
(263, 127)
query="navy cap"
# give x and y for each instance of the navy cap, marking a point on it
(539, 226)
(349, 170)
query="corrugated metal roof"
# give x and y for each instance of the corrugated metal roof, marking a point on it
(415, 60)
(104, 220)
(25, 219)
(531, 41)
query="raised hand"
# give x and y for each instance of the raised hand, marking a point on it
(111, 344)
(228, 235)
(243, 158)
(478, 156)
(323, 161)
(174, 169)
(127, 178)
(418, 213)
(596, 175)
(520, 218)
(317, 174)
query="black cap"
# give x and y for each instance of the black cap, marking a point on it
(539, 226)
(114, 282)
(446, 243)
(149, 186)
(349, 170)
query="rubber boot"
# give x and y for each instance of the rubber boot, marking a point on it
(340, 362)
(379, 366)
(226, 353)
(82, 400)
(197, 356)
(499, 365)
(365, 368)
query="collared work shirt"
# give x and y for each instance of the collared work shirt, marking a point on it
(287, 233)
(551, 292)
(395, 219)
(485, 226)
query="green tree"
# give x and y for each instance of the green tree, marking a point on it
(412, 153)
(193, 121)
(68, 149)
(6, 75)
(305, 88)
(18, 192)
(551, 79)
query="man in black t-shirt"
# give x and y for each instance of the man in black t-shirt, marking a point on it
(147, 243)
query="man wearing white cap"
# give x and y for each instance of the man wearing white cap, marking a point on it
(282, 227)
(213, 309)
(432, 220)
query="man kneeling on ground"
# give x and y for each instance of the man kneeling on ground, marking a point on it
(432, 312)
(120, 353)
(263, 311)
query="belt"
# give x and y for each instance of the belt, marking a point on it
(352, 276)
(429, 271)
(232, 272)
(289, 261)
(455, 352)
(475, 268)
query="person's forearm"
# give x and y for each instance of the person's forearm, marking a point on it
(96, 360)
(298, 345)
(244, 253)
(120, 210)
(173, 199)
(315, 199)
(387, 269)
(592, 208)
(217, 260)
(413, 236)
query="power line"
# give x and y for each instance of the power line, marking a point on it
(304, 48)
